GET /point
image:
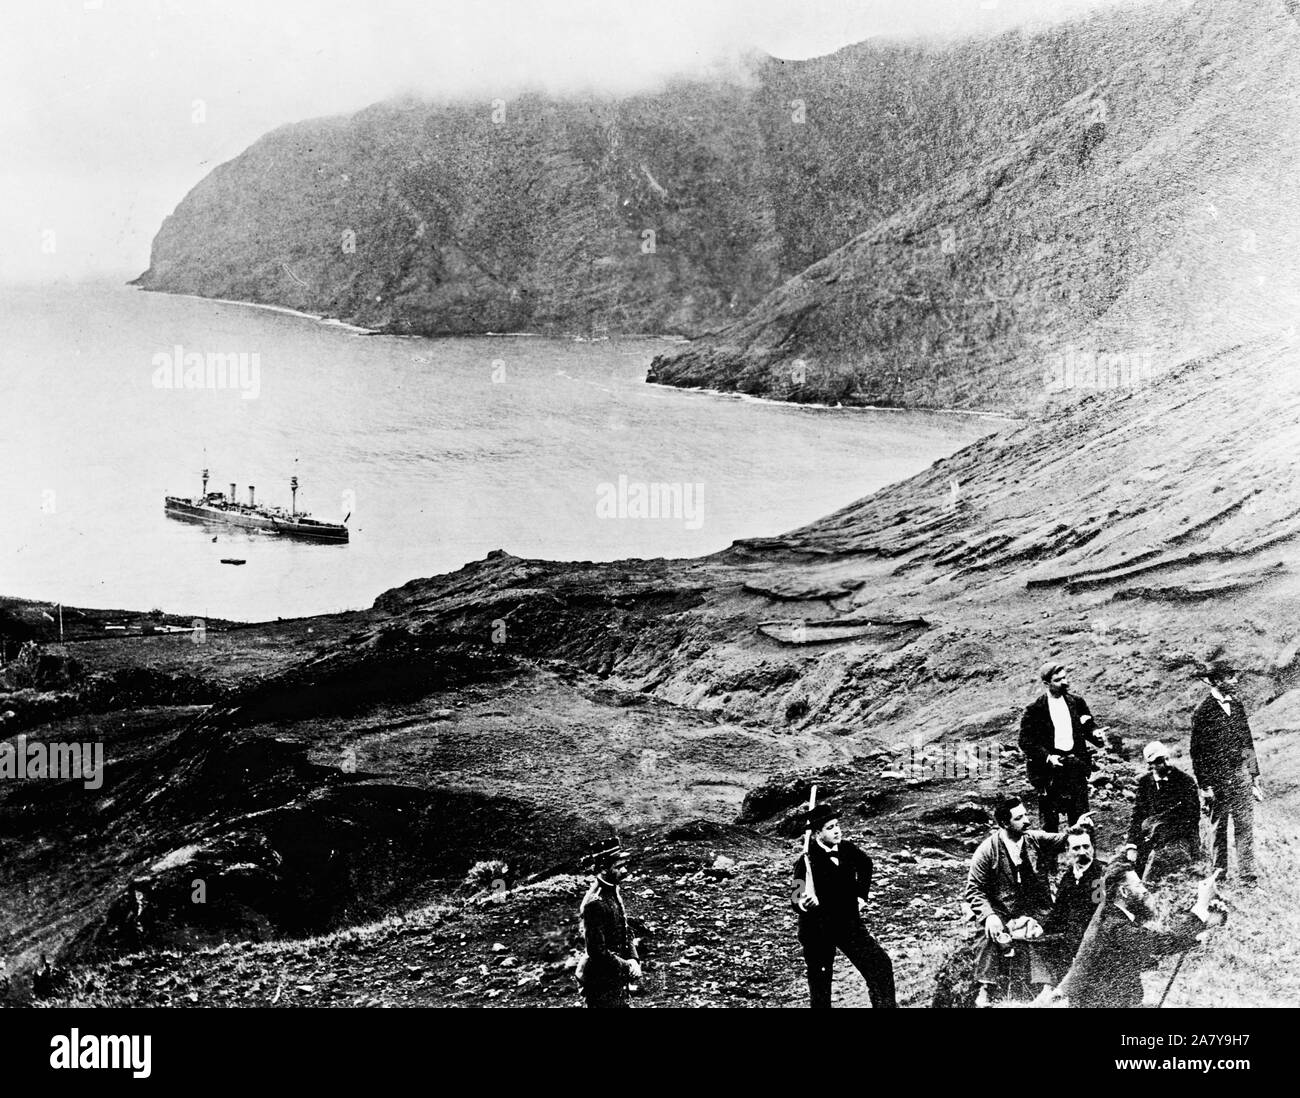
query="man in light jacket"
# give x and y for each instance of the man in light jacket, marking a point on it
(1008, 891)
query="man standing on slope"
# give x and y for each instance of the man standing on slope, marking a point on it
(829, 915)
(610, 963)
(1054, 734)
(1223, 759)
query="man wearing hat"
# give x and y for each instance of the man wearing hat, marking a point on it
(1166, 822)
(1055, 731)
(829, 916)
(1226, 769)
(611, 961)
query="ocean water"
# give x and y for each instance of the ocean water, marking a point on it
(439, 450)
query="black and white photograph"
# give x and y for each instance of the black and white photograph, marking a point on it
(610, 505)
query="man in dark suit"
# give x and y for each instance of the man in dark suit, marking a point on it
(829, 915)
(1119, 944)
(1166, 823)
(1055, 731)
(1077, 897)
(1226, 769)
(611, 961)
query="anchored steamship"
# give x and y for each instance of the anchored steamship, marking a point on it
(220, 508)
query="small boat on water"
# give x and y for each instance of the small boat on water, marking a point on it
(225, 509)
(233, 560)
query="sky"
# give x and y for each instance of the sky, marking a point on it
(111, 110)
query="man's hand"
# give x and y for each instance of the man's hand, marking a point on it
(993, 927)
(1257, 790)
(1054, 760)
(634, 968)
(806, 902)
(1085, 820)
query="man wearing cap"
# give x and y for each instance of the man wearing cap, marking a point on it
(1226, 769)
(1166, 822)
(1055, 731)
(611, 961)
(829, 915)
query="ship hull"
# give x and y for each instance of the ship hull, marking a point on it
(188, 511)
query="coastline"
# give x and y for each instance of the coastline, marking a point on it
(335, 322)
(332, 322)
(812, 405)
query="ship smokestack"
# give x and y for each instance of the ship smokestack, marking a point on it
(250, 495)
(232, 491)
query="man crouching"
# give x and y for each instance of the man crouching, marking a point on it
(1011, 899)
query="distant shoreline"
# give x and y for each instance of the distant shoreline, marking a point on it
(334, 322)
(731, 393)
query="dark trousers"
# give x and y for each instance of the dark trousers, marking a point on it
(1157, 861)
(864, 953)
(1067, 798)
(601, 994)
(1232, 798)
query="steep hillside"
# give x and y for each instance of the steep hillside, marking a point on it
(885, 651)
(532, 213)
(1147, 219)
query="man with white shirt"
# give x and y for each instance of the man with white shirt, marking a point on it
(1008, 891)
(1226, 769)
(1055, 731)
(829, 912)
(1077, 895)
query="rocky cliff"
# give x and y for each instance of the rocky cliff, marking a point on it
(670, 211)
(1148, 215)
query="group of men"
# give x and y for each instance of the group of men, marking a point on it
(1089, 940)
(1031, 938)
